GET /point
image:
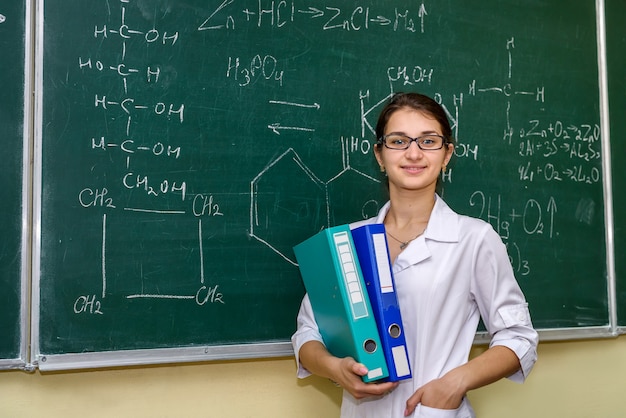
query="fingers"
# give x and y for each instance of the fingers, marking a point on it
(412, 402)
(360, 389)
(365, 390)
(359, 369)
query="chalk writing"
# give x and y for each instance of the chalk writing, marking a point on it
(130, 146)
(88, 305)
(300, 173)
(532, 216)
(153, 184)
(198, 142)
(95, 197)
(265, 67)
(283, 13)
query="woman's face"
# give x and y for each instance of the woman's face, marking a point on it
(413, 168)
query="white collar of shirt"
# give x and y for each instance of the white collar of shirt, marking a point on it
(443, 226)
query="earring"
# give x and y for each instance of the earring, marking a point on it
(382, 168)
(444, 168)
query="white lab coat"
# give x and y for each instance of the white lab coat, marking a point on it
(457, 271)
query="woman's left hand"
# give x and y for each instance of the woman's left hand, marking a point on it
(443, 393)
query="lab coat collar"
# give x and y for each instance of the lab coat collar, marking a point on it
(443, 226)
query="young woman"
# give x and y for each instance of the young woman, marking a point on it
(449, 271)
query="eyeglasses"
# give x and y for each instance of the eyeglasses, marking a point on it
(428, 142)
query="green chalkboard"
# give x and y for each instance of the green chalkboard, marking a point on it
(13, 313)
(616, 45)
(188, 145)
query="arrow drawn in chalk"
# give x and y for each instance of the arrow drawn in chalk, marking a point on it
(314, 11)
(276, 128)
(310, 106)
(422, 13)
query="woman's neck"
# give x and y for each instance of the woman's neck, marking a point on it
(410, 208)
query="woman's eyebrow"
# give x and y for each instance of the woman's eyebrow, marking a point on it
(421, 133)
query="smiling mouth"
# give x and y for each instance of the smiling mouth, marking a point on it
(413, 169)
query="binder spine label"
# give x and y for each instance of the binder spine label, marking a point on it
(382, 260)
(350, 276)
(375, 374)
(401, 361)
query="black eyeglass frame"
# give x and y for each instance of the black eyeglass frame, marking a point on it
(383, 140)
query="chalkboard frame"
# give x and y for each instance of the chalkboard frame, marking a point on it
(22, 361)
(154, 356)
(608, 183)
(104, 359)
(615, 70)
(279, 349)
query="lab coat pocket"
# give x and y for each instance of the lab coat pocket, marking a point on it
(428, 412)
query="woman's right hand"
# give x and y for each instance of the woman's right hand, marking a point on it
(348, 375)
(345, 372)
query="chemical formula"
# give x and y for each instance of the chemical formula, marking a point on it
(130, 105)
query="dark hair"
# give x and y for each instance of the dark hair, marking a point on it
(418, 102)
